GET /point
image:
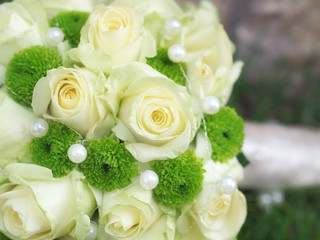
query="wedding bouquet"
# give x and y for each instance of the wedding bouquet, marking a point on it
(113, 122)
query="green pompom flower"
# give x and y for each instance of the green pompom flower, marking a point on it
(3, 237)
(70, 24)
(180, 179)
(225, 131)
(51, 150)
(164, 65)
(109, 165)
(26, 68)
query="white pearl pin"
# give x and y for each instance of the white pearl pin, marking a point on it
(54, 36)
(77, 153)
(210, 105)
(228, 185)
(39, 128)
(149, 179)
(173, 26)
(93, 233)
(176, 53)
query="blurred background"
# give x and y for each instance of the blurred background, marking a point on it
(278, 94)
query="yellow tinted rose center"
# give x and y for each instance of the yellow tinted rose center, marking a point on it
(14, 218)
(162, 117)
(205, 72)
(124, 222)
(218, 208)
(114, 20)
(69, 95)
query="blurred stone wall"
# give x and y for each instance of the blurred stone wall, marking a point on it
(270, 30)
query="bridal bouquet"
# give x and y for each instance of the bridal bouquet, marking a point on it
(113, 122)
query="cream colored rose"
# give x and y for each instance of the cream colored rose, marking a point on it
(218, 216)
(15, 122)
(212, 72)
(209, 59)
(34, 205)
(210, 63)
(157, 118)
(126, 214)
(118, 30)
(22, 24)
(70, 96)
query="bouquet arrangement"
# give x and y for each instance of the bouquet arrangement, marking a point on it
(113, 122)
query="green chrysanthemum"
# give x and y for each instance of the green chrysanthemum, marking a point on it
(226, 133)
(26, 68)
(109, 165)
(164, 65)
(3, 237)
(180, 179)
(51, 150)
(70, 24)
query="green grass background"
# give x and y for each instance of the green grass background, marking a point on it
(272, 95)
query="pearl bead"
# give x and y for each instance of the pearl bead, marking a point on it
(228, 185)
(149, 179)
(176, 53)
(173, 26)
(39, 128)
(77, 153)
(54, 36)
(92, 235)
(210, 105)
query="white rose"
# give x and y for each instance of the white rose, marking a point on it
(210, 65)
(218, 216)
(126, 214)
(157, 118)
(212, 72)
(70, 96)
(15, 122)
(22, 24)
(34, 205)
(118, 31)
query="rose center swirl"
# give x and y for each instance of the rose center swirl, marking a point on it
(205, 72)
(68, 96)
(114, 20)
(218, 208)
